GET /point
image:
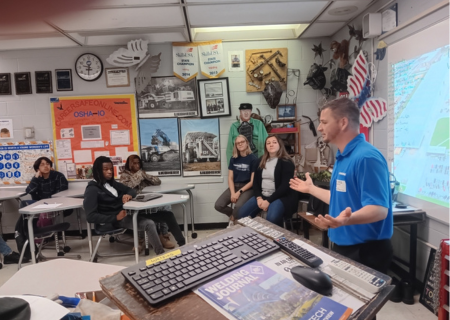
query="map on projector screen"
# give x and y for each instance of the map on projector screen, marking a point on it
(421, 125)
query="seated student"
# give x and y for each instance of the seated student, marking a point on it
(134, 177)
(45, 183)
(9, 256)
(271, 185)
(241, 170)
(103, 203)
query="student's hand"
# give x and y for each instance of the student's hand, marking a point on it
(300, 185)
(122, 214)
(38, 174)
(328, 221)
(126, 198)
(265, 205)
(235, 197)
(259, 201)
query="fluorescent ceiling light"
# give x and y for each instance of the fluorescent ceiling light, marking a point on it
(241, 33)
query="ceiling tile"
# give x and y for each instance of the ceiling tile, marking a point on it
(129, 3)
(322, 29)
(107, 40)
(36, 43)
(344, 10)
(104, 19)
(32, 27)
(255, 13)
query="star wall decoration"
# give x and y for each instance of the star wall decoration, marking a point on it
(318, 50)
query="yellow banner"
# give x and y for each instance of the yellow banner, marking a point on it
(212, 64)
(185, 60)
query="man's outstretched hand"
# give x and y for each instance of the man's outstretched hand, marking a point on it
(300, 185)
(328, 221)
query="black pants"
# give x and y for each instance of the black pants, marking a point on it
(169, 219)
(374, 254)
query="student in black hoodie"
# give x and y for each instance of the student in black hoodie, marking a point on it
(103, 203)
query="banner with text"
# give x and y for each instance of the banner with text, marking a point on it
(85, 128)
(212, 64)
(185, 60)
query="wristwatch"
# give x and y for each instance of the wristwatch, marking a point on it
(240, 191)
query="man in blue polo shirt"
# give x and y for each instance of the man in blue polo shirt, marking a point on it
(360, 216)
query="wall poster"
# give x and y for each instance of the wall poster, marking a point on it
(168, 97)
(200, 147)
(17, 159)
(160, 150)
(87, 127)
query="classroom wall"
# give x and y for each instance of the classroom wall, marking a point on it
(431, 231)
(34, 109)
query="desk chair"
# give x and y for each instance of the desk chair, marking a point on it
(44, 233)
(113, 237)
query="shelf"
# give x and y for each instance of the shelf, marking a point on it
(288, 130)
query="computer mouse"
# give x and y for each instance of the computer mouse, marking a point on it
(313, 279)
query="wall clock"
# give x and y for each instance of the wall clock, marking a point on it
(89, 67)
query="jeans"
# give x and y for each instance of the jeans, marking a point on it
(167, 217)
(275, 211)
(4, 248)
(146, 225)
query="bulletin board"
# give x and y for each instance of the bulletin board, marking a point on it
(87, 127)
(17, 159)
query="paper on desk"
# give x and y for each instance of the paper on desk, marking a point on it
(324, 267)
(43, 308)
(212, 304)
(47, 206)
(282, 264)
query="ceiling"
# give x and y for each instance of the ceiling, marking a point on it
(115, 22)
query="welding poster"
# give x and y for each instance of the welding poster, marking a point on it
(212, 64)
(90, 126)
(17, 159)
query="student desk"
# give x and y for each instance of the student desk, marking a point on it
(62, 276)
(188, 305)
(7, 195)
(76, 190)
(411, 218)
(30, 212)
(166, 199)
(175, 187)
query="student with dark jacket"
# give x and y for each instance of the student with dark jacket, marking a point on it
(271, 185)
(103, 203)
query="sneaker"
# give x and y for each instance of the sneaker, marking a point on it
(230, 224)
(13, 258)
(165, 241)
(397, 294)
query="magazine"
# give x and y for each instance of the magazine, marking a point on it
(254, 291)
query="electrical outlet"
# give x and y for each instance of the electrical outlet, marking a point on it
(28, 132)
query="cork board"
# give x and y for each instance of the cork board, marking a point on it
(265, 65)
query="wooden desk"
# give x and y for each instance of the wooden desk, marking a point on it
(188, 305)
(308, 220)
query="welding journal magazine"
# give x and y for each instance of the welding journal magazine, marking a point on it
(254, 292)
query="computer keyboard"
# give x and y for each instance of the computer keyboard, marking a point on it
(197, 263)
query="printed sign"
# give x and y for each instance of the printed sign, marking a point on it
(212, 64)
(185, 61)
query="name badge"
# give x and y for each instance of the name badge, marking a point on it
(340, 186)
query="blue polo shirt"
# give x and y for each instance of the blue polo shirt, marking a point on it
(360, 178)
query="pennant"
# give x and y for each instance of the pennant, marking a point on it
(212, 64)
(185, 60)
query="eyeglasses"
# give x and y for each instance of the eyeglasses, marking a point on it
(240, 142)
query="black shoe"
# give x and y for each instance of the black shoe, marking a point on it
(13, 258)
(397, 294)
(408, 292)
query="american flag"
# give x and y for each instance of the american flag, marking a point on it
(371, 109)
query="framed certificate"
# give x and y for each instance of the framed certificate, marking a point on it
(63, 79)
(117, 77)
(23, 82)
(43, 81)
(5, 83)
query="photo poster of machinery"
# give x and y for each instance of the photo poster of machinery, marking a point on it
(263, 66)
(87, 127)
(166, 97)
(17, 160)
(200, 147)
(160, 149)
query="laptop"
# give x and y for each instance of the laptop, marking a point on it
(143, 197)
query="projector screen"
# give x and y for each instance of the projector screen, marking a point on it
(418, 119)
